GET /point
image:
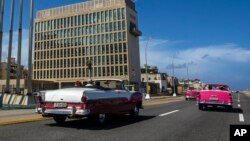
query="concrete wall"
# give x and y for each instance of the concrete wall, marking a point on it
(17, 100)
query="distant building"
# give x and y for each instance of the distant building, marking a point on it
(157, 81)
(13, 75)
(195, 84)
(13, 70)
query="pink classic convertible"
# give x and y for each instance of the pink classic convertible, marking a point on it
(215, 95)
(94, 100)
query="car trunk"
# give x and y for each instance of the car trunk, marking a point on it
(72, 95)
(218, 96)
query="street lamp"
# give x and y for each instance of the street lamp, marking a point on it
(146, 59)
(187, 72)
(174, 94)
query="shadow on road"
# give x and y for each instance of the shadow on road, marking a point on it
(112, 122)
(222, 109)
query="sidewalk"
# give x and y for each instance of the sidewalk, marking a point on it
(28, 115)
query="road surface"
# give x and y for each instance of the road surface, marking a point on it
(177, 121)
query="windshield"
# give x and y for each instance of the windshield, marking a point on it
(217, 87)
(111, 84)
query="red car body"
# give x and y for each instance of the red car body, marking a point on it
(215, 95)
(191, 94)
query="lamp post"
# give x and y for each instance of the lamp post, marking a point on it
(146, 59)
(174, 94)
(187, 72)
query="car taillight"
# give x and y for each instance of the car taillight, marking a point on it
(84, 99)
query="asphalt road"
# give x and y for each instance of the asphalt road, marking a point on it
(179, 121)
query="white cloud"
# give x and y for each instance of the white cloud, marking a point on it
(207, 62)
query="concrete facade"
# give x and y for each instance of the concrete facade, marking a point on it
(102, 31)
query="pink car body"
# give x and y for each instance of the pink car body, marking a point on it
(191, 94)
(215, 95)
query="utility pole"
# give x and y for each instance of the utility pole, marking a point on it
(187, 73)
(19, 48)
(174, 94)
(30, 49)
(10, 47)
(146, 67)
(1, 33)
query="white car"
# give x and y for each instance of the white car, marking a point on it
(108, 97)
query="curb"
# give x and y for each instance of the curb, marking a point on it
(23, 120)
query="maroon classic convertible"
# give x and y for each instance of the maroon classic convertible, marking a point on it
(94, 100)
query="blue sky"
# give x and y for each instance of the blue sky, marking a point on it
(210, 37)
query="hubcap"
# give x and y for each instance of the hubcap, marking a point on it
(136, 110)
(102, 118)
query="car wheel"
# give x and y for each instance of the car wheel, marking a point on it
(59, 119)
(200, 107)
(135, 111)
(229, 108)
(101, 118)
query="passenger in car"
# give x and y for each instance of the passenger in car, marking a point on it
(78, 84)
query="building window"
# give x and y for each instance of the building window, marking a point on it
(102, 16)
(119, 13)
(125, 58)
(126, 70)
(121, 70)
(124, 36)
(103, 71)
(114, 14)
(123, 13)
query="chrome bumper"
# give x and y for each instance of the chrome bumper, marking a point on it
(69, 112)
(214, 103)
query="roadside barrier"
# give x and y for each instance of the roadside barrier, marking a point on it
(1, 101)
(14, 99)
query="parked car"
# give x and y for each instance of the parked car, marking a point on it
(191, 93)
(215, 95)
(95, 100)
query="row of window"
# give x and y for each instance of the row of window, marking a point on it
(81, 51)
(78, 20)
(88, 40)
(79, 31)
(82, 72)
(81, 62)
(149, 78)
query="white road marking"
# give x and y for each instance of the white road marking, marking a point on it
(239, 105)
(169, 113)
(241, 117)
